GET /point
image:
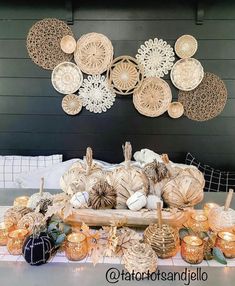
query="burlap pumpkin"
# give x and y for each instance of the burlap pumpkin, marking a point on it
(81, 176)
(127, 179)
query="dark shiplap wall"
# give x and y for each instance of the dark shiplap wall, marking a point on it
(33, 123)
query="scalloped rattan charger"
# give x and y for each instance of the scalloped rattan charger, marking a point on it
(153, 97)
(72, 104)
(187, 74)
(186, 46)
(94, 53)
(43, 43)
(206, 101)
(124, 75)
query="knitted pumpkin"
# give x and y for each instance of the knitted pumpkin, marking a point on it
(38, 248)
(102, 196)
(127, 179)
(81, 176)
(14, 214)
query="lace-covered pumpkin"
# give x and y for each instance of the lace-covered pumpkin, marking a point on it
(127, 179)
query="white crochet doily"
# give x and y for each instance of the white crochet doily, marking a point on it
(156, 57)
(96, 94)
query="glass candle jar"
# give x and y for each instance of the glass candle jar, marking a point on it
(192, 249)
(199, 222)
(4, 230)
(21, 201)
(76, 247)
(208, 207)
(226, 242)
(16, 240)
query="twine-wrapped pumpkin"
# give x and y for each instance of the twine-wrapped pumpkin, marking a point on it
(222, 218)
(14, 214)
(29, 220)
(82, 176)
(185, 188)
(140, 257)
(127, 179)
(163, 238)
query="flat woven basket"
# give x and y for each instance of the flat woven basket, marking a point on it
(186, 46)
(153, 97)
(71, 104)
(43, 43)
(94, 53)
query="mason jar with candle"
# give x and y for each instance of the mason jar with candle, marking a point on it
(4, 231)
(16, 240)
(199, 222)
(226, 242)
(76, 247)
(192, 249)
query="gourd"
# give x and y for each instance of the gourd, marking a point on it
(81, 176)
(127, 179)
(80, 200)
(222, 218)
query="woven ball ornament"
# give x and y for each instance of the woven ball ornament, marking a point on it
(206, 101)
(94, 53)
(37, 249)
(43, 43)
(124, 75)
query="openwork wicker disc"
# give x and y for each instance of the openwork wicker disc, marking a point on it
(43, 43)
(72, 104)
(66, 78)
(206, 101)
(96, 94)
(94, 53)
(124, 75)
(175, 110)
(68, 44)
(186, 46)
(153, 97)
(156, 57)
(187, 74)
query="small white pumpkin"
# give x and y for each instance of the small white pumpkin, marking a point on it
(137, 201)
(152, 201)
(80, 200)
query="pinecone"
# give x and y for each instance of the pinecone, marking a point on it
(102, 196)
(43, 205)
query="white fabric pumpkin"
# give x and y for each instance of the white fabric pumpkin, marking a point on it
(137, 201)
(80, 200)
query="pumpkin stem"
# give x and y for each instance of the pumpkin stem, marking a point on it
(159, 214)
(89, 159)
(228, 199)
(166, 161)
(127, 151)
(41, 187)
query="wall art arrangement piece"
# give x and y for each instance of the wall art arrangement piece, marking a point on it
(72, 104)
(96, 95)
(156, 57)
(153, 97)
(94, 53)
(68, 44)
(207, 100)
(175, 109)
(43, 43)
(186, 46)
(66, 78)
(125, 75)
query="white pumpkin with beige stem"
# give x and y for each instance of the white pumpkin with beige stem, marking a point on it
(223, 218)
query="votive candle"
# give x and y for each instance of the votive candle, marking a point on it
(76, 247)
(16, 240)
(4, 230)
(208, 207)
(199, 222)
(226, 242)
(192, 249)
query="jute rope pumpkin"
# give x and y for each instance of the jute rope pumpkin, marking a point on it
(163, 238)
(222, 218)
(29, 221)
(14, 214)
(127, 179)
(140, 257)
(82, 175)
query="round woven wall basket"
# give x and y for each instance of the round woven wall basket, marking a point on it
(186, 46)
(206, 101)
(68, 44)
(43, 43)
(175, 110)
(72, 104)
(124, 75)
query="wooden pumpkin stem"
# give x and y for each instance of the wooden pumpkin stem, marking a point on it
(41, 186)
(228, 199)
(89, 158)
(127, 151)
(165, 159)
(159, 214)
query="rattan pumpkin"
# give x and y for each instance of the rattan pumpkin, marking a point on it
(140, 257)
(29, 221)
(14, 214)
(82, 176)
(222, 218)
(127, 179)
(163, 238)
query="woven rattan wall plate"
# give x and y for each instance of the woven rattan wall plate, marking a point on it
(187, 74)
(72, 104)
(94, 53)
(206, 101)
(153, 97)
(124, 75)
(66, 78)
(96, 94)
(43, 43)
(156, 57)
(68, 44)
(186, 46)
(175, 110)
